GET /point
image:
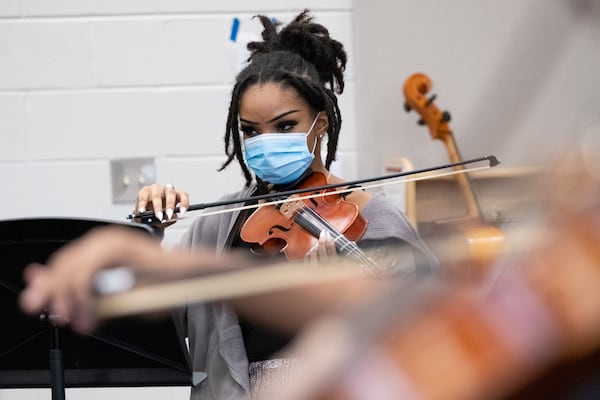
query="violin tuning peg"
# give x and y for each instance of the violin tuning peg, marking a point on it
(446, 116)
(431, 99)
(407, 107)
(421, 122)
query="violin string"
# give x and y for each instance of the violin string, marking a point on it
(351, 249)
(339, 191)
(313, 222)
(347, 247)
(310, 220)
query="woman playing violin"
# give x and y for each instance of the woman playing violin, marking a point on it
(283, 107)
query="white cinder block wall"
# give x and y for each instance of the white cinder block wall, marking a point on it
(83, 82)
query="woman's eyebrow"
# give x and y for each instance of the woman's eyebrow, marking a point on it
(271, 120)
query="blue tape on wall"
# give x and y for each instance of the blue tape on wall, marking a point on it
(235, 26)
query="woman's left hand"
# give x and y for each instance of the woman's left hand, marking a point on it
(323, 251)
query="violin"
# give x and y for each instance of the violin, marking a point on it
(483, 242)
(293, 227)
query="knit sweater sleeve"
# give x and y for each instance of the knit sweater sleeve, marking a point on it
(393, 242)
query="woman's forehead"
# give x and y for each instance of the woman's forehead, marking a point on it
(270, 97)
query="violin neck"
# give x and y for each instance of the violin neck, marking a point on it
(310, 220)
(473, 208)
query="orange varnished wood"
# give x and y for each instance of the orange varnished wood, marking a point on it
(487, 342)
(273, 227)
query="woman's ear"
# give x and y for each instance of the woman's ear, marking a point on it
(322, 124)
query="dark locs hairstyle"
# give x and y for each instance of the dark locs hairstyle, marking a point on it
(301, 55)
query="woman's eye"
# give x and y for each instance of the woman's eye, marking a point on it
(286, 126)
(248, 131)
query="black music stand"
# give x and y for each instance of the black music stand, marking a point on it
(140, 351)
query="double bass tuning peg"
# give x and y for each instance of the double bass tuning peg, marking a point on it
(431, 100)
(428, 102)
(446, 116)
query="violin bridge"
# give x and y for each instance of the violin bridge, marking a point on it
(290, 209)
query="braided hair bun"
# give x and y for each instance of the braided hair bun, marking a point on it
(309, 40)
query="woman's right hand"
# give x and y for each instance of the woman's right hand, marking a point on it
(162, 199)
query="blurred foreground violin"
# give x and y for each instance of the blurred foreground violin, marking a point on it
(483, 242)
(464, 342)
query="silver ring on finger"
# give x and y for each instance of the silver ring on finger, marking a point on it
(169, 186)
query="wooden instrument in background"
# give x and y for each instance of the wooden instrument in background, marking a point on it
(481, 241)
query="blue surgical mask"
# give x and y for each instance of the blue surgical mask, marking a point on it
(279, 158)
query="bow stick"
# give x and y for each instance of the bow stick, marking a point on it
(282, 197)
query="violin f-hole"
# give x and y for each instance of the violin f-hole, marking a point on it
(280, 228)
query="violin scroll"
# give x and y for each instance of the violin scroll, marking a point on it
(416, 88)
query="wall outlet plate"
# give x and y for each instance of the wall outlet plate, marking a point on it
(129, 176)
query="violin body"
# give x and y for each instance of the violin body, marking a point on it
(276, 229)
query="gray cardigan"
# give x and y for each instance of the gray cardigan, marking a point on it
(218, 355)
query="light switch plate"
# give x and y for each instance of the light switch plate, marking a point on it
(129, 176)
